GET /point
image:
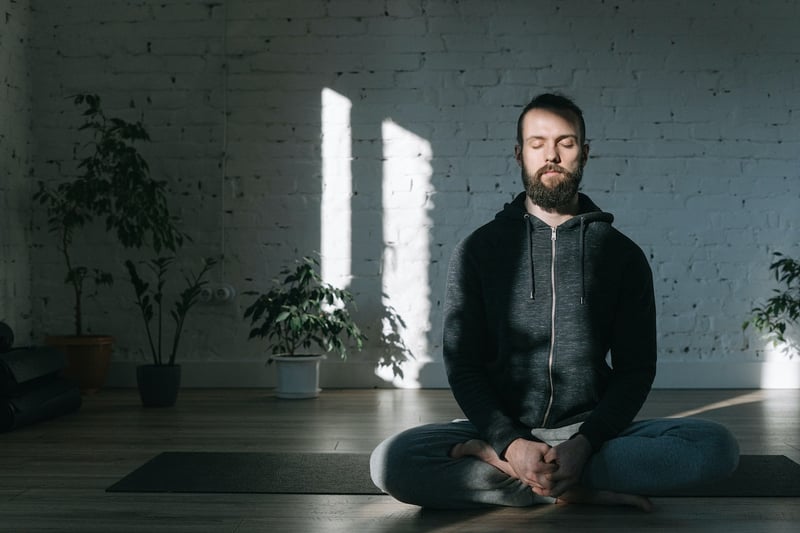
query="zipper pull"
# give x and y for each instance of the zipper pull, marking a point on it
(552, 233)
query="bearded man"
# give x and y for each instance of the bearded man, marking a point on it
(550, 351)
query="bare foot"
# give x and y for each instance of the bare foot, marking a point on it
(484, 452)
(481, 450)
(604, 497)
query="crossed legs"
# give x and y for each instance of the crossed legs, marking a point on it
(447, 465)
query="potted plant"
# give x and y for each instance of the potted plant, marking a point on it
(295, 314)
(113, 184)
(782, 310)
(159, 382)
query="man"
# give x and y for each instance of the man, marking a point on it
(536, 300)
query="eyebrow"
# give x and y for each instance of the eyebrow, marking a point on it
(558, 138)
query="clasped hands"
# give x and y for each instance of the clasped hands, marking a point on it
(549, 471)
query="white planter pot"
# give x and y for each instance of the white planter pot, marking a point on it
(298, 377)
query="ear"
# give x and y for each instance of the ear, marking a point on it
(518, 154)
(585, 154)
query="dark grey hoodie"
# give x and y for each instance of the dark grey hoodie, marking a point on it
(531, 313)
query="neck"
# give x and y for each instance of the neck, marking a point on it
(555, 216)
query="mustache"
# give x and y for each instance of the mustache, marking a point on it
(552, 167)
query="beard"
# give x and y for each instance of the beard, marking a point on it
(552, 196)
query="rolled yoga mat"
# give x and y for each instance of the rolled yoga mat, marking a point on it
(6, 337)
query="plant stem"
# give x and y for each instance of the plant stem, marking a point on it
(150, 340)
(176, 338)
(147, 329)
(74, 280)
(160, 318)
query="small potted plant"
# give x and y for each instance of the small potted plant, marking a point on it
(159, 382)
(781, 312)
(300, 312)
(114, 185)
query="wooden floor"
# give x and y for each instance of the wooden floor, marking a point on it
(53, 475)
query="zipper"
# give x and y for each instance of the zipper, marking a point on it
(552, 323)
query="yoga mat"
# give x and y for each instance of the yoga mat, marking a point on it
(340, 473)
(757, 475)
(252, 472)
(48, 399)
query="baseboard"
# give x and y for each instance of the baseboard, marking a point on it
(337, 374)
(249, 374)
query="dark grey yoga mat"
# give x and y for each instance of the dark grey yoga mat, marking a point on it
(348, 473)
(252, 472)
(757, 475)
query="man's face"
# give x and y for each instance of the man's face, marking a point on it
(552, 157)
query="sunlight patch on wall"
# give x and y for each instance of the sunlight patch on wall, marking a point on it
(407, 191)
(337, 189)
(781, 369)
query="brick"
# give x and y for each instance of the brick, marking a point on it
(356, 8)
(276, 9)
(694, 135)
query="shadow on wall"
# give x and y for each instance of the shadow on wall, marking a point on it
(394, 353)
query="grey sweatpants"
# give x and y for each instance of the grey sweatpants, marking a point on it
(649, 458)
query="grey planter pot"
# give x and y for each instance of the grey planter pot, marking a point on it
(298, 376)
(158, 384)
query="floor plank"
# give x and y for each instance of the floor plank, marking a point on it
(53, 475)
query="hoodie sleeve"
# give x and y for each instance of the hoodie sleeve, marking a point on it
(633, 355)
(466, 351)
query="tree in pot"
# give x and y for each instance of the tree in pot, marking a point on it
(295, 314)
(159, 382)
(781, 312)
(113, 184)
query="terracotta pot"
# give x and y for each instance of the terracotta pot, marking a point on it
(87, 359)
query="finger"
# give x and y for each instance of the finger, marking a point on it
(560, 488)
(536, 480)
(551, 456)
(561, 475)
(540, 491)
(539, 482)
(535, 485)
(545, 468)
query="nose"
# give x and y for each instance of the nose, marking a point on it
(551, 155)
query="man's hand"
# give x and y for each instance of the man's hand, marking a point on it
(570, 456)
(527, 458)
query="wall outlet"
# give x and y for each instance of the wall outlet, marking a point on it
(224, 292)
(217, 293)
(206, 295)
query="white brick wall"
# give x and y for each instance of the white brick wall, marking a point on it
(15, 190)
(691, 110)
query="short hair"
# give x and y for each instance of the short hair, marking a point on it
(553, 102)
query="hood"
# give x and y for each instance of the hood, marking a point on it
(588, 213)
(587, 210)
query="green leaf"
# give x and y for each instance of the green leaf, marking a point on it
(299, 315)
